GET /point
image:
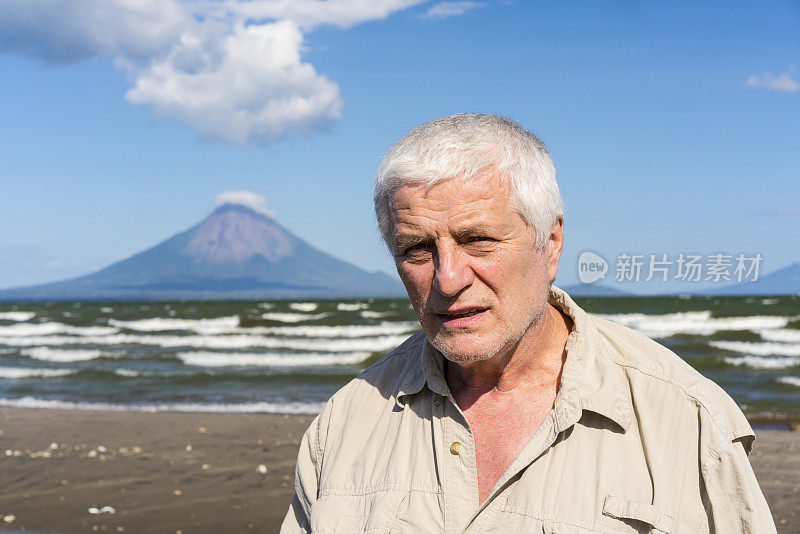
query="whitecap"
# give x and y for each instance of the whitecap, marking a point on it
(763, 362)
(241, 341)
(767, 302)
(348, 331)
(785, 335)
(23, 372)
(366, 314)
(791, 380)
(19, 316)
(215, 325)
(228, 326)
(303, 306)
(759, 348)
(292, 317)
(694, 322)
(51, 328)
(61, 355)
(261, 359)
(305, 408)
(27, 329)
(128, 373)
(345, 306)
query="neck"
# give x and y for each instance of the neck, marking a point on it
(537, 357)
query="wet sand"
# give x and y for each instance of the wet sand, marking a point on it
(189, 472)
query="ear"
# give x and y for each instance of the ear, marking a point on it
(554, 247)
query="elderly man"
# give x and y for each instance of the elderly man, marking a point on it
(513, 410)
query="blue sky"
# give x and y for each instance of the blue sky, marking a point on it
(674, 126)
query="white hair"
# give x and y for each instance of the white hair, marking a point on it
(466, 146)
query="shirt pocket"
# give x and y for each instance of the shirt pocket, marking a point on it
(641, 516)
(373, 513)
(619, 516)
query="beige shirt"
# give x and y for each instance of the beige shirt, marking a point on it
(637, 441)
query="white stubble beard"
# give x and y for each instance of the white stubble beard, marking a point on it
(511, 338)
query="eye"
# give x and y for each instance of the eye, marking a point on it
(417, 253)
(479, 244)
(480, 240)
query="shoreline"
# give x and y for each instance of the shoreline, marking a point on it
(200, 472)
(758, 421)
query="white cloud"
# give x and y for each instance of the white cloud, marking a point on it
(231, 69)
(307, 13)
(785, 82)
(450, 9)
(252, 200)
(251, 84)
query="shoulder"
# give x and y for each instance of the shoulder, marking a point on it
(660, 378)
(386, 377)
(373, 393)
(391, 372)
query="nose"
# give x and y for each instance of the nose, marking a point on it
(453, 272)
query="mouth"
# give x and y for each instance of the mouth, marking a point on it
(461, 317)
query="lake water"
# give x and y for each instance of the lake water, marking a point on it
(281, 356)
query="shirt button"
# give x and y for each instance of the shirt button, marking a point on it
(437, 400)
(456, 448)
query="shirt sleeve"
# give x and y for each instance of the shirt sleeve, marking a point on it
(732, 498)
(306, 483)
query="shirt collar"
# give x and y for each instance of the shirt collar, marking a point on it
(589, 380)
(430, 371)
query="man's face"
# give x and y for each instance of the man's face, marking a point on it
(469, 263)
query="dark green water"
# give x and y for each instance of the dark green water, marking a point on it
(258, 356)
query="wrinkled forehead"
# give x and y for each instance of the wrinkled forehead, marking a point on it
(451, 192)
(451, 206)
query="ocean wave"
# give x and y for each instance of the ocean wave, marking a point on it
(53, 328)
(346, 306)
(763, 362)
(230, 325)
(785, 335)
(791, 380)
(348, 331)
(759, 348)
(128, 373)
(300, 408)
(215, 325)
(694, 322)
(266, 305)
(367, 314)
(256, 359)
(303, 306)
(61, 355)
(21, 372)
(292, 317)
(768, 302)
(19, 316)
(241, 341)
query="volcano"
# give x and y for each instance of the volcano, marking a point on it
(234, 253)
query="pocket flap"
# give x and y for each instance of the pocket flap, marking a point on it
(639, 511)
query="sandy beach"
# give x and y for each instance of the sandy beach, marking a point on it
(161, 472)
(192, 472)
